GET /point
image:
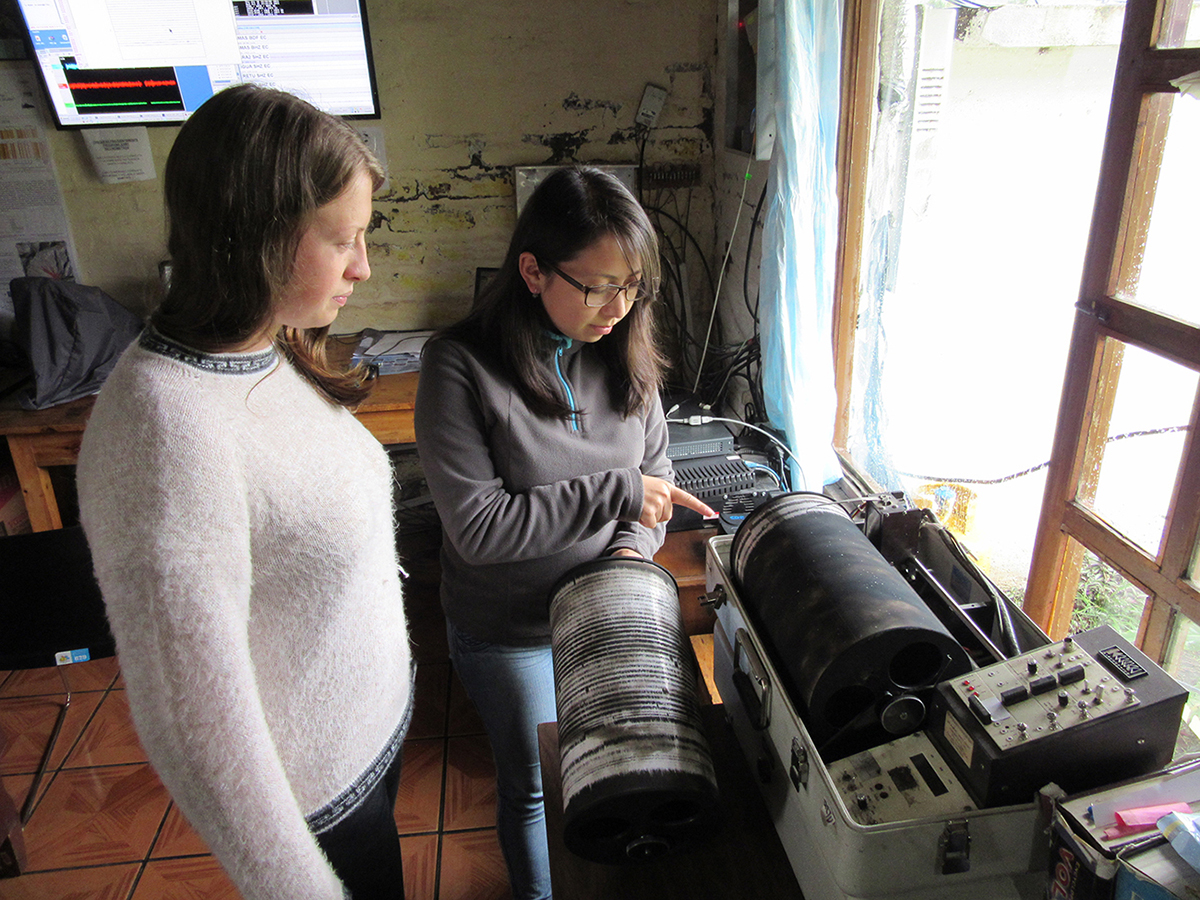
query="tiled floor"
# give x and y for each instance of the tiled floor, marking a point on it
(104, 828)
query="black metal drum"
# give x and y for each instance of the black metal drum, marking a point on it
(858, 649)
(637, 774)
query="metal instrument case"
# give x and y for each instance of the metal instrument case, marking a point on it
(996, 853)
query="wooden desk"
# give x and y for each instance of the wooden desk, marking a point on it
(388, 412)
(744, 859)
(682, 554)
(40, 439)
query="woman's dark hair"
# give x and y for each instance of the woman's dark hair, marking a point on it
(245, 175)
(570, 210)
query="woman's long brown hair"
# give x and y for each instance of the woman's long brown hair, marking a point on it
(569, 211)
(246, 174)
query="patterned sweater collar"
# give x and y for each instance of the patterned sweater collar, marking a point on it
(219, 363)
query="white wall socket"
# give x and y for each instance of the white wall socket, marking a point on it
(653, 98)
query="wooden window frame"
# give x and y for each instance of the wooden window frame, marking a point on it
(1106, 319)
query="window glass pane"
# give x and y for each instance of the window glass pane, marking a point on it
(1183, 662)
(1169, 273)
(1105, 597)
(1143, 446)
(1181, 24)
(982, 177)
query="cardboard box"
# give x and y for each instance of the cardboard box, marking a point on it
(1084, 864)
(1158, 873)
(1081, 868)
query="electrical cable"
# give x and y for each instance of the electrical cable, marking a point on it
(759, 467)
(657, 210)
(753, 310)
(724, 267)
(645, 135)
(704, 420)
(747, 353)
(1110, 439)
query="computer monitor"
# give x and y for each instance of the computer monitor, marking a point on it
(147, 62)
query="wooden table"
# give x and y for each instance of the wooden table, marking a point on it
(682, 554)
(43, 438)
(743, 859)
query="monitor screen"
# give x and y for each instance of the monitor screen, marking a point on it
(146, 62)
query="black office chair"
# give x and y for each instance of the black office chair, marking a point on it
(51, 614)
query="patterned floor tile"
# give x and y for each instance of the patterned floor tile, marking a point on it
(420, 866)
(470, 784)
(418, 802)
(101, 809)
(197, 878)
(17, 787)
(472, 867)
(93, 675)
(109, 738)
(27, 722)
(96, 816)
(103, 883)
(178, 838)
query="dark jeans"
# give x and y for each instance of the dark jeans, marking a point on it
(364, 848)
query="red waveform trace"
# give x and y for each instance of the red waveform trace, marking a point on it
(109, 85)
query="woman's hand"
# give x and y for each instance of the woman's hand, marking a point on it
(659, 499)
(626, 551)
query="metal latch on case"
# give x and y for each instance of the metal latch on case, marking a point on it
(750, 679)
(714, 599)
(954, 848)
(798, 770)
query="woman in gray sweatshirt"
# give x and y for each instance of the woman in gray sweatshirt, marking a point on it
(543, 442)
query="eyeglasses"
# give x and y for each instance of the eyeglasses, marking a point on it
(598, 295)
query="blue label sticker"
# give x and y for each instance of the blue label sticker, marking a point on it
(66, 657)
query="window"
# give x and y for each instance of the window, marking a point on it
(1120, 505)
(1135, 347)
(979, 135)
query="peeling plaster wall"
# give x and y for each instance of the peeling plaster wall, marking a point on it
(469, 89)
(472, 89)
(737, 232)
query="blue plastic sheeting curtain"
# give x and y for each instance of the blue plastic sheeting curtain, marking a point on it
(797, 119)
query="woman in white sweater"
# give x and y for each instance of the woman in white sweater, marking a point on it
(240, 517)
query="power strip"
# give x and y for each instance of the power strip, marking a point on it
(670, 175)
(713, 476)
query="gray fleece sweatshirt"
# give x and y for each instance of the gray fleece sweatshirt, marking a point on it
(524, 498)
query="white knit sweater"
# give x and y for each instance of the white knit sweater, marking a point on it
(242, 533)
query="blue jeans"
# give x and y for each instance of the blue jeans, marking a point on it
(364, 848)
(513, 690)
